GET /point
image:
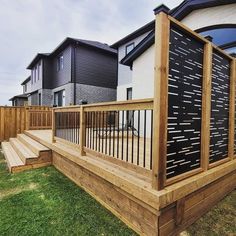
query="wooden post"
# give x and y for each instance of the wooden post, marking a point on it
(206, 106)
(232, 109)
(82, 130)
(53, 126)
(162, 35)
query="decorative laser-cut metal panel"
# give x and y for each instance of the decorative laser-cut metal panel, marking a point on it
(219, 126)
(184, 104)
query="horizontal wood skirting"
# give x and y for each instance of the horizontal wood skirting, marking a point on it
(120, 203)
(195, 205)
(183, 188)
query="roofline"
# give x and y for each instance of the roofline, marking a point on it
(65, 43)
(144, 29)
(19, 96)
(38, 57)
(187, 6)
(26, 80)
(146, 43)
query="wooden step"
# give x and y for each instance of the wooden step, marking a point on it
(14, 162)
(36, 147)
(26, 155)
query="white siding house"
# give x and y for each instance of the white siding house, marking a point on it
(204, 21)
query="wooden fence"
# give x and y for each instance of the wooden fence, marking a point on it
(14, 120)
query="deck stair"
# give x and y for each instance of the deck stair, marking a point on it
(24, 153)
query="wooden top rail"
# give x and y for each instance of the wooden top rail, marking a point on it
(141, 104)
(198, 36)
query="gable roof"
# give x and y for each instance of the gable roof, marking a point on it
(26, 80)
(187, 6)
(142, 30)
(24, 96)
(68, 41)
(179, 13)
(36, 59)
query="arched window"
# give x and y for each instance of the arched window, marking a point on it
(223, 36)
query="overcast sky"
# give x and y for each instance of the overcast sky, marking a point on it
(31, 26)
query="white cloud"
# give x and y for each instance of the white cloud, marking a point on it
(31, 26)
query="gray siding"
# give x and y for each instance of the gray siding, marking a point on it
(63, 76)
(95, 67)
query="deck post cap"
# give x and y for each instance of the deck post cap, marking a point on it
(161, 8)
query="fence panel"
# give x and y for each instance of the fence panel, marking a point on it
(14, 120)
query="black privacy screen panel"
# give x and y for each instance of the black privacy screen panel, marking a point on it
(219, 126)
(184, 103)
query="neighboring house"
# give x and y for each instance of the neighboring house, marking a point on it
(22, 99)
(208, 17)
(77, 70)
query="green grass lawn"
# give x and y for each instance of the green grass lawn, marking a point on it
(44, 202)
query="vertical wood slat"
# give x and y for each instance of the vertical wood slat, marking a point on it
(82, 130)
(53, 126)
(232, 109)
(160, 110)
(206, 106)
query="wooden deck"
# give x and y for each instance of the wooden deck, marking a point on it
(129, 194)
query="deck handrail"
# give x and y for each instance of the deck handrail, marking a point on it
(107, 124)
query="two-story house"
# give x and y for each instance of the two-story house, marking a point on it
(76, 71)
(22, 99)
(213, 18)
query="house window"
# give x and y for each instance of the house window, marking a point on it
(39, 66)
(60, 63)
(59, 98)
(40, 97)
(129, 93)
(129, 48)
(35, 74)
(25, 88)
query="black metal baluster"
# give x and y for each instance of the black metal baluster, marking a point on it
(138, 137)
(99, 127)
(127, 135)
(132, 127)
(122, 138)
(151, 140)
(102, 130)
(118, 133)
(110, 132)
(144, 139)
(114, 123)
(106, 135)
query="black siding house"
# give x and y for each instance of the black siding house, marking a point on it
(77, 70)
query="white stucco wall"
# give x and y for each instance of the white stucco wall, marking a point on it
(143, 75)
(124, 72)
(197, 19)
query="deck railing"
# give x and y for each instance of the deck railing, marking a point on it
(188, 129)
(39, 119)
(14, 120)
(120, 130)
(67, 124)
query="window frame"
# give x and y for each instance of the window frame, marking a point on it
(60, 62)
(127, 46)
